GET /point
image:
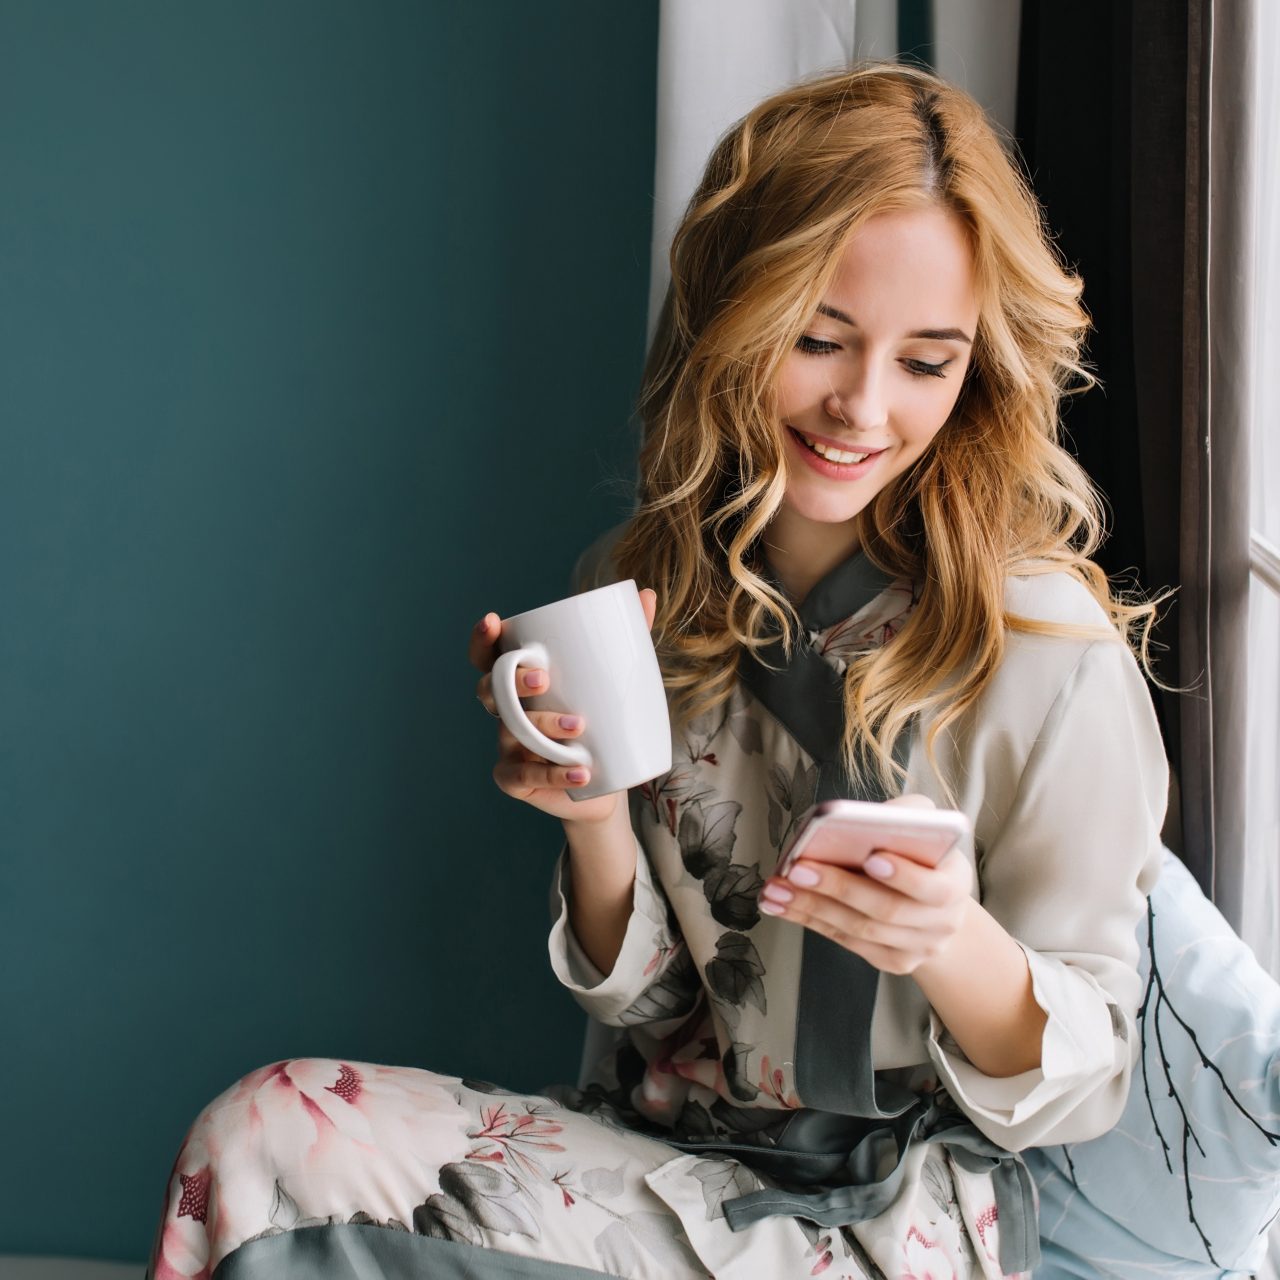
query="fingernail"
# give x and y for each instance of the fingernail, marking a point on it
(577, 775)
(571, 722)
(771, 908)
(803, 876)
(534, 679)
(778, 892)
(483, 625)
(878, 866)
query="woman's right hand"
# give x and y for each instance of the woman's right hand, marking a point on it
(520, 772)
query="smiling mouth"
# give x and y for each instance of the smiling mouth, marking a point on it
(844, 457)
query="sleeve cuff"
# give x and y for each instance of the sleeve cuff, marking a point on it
(606, 997)
(1079, 1051)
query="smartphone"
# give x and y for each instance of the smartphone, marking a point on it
(846, 832)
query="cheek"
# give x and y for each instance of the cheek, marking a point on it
(801, 385)
(929, 415)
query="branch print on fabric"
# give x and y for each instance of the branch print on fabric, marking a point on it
(1155, 999)
(661, 798)
(664, 798)
(872, 626)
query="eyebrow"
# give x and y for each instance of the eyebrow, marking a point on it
(939, 335)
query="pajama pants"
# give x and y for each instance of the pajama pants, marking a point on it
(351, 1171)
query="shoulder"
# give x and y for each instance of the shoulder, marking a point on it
(1066, 673)
(1058, 599)
(595, 566)
(1059, 647)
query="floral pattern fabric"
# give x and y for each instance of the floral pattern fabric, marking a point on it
(313, 1143)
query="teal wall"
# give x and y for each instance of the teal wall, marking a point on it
(320, 327)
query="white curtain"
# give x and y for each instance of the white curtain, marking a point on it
(718, 58)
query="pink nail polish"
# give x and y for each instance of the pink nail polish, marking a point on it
(771, 908)
(777, 892)
(803, 876)
(570, 722)
(879, 867)
(578, 775)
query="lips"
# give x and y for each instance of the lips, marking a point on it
(833, 452)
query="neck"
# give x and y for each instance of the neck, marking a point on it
(801, 552)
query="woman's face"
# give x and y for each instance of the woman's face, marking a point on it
(879, 369)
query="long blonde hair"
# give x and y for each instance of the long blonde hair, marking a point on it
(995, 493)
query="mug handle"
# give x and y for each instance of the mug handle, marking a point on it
(511, 709)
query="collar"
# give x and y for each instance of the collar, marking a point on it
(840, 593)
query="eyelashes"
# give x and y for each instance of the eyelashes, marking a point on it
(918, 368)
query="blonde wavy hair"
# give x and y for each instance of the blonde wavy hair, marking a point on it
(995, 493)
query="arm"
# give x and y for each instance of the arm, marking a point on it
(1066, 873)
(980, 988)
(602, 875)
(1070, 808)
(614, 943)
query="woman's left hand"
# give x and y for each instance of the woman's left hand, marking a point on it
(897, 914)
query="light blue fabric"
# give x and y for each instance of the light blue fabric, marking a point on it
(1112, 1207)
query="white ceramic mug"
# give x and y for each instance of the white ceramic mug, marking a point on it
(596, 650)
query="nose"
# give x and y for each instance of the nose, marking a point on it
(858, 401)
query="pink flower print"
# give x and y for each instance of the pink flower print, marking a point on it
(348, 1086)
(505, 1137)
(985, 1221)
(334, 1137)
(773, 1082)
(925, 1259)
(195, 1195)
(823, 1250)
(875, 624)
(664, 794)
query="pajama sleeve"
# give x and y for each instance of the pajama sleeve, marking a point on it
(652, 979)
(1067, 874)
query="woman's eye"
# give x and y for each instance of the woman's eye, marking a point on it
(923, 370)
(814, 346)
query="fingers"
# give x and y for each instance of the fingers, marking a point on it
(482, 649)
(649, 603)
(482, 653)
(553, 724)
(529, 680)
(520, 778)
(894, 936)
(858, 892)
(895, 913)
(913, 801)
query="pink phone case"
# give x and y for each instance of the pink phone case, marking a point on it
(846, 832)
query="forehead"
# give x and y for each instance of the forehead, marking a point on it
(907, 270)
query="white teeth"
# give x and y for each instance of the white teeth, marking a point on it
(832, 455)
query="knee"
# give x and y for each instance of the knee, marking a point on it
(281, 1110)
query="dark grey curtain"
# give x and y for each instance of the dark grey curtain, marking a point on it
(1214, 546)
(1133, 119)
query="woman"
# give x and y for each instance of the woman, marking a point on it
(870, 573)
